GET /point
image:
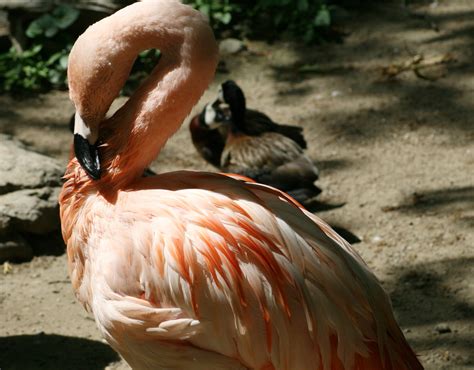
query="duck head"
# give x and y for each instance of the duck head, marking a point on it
(214, 115)
(232, 96)
(228, 108)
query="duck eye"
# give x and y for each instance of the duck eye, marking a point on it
(219, 116)
(226, 113)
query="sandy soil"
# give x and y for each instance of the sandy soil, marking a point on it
(399, 152)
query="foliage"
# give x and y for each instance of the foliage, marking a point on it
(301, 19)
(28, 70)
(49, 24)
(220, 12)
(43, 64)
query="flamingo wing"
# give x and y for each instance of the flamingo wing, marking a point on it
(242, 277)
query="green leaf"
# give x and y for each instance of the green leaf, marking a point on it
(65, 15)
(226, 18)
(50, 32)
(39, 26)
(49, 24)
(29, 53)
(53, 58)
(205, 9)
(55, 77)
(63, 61)
(323, 18)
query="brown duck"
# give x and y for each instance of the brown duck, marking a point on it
(247, 142)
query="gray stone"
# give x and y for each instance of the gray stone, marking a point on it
(29, 189)
(231, 46)
(33, 211)
(21, 168)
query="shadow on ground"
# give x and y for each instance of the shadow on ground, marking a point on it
(443, 102)
(51, 351)
(332, 165)
(456, 201)
(429, 294)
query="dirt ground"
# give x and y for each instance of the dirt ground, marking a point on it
(399, 152)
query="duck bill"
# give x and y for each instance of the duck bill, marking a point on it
(85, 147)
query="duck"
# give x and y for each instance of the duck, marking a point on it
(208, 138)
(199, 270)
(247, 142)
(250, 121)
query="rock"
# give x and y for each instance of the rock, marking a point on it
(21, 168)
(443, 328)
(33, 211)
(29, 189)
(231, 46)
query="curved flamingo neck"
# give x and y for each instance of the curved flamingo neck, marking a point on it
(101, 61)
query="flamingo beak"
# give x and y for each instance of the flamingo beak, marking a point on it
(85, 147)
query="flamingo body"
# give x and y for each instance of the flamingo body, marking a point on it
(192, 270)
(235, 274)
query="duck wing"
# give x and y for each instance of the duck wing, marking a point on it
(257, 123)
(254, 156)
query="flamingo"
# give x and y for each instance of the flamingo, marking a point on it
(195, 270)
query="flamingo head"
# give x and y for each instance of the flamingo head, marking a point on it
(85, 146)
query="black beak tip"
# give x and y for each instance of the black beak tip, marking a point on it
(71, 123)
(88, 156)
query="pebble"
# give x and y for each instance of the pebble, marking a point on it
(377, 239)
(443, 328)
(231, 46)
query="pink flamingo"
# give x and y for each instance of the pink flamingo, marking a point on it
(193, 270)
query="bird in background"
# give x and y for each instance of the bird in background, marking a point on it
(208, 137)
(195, 270)
(247, 142)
